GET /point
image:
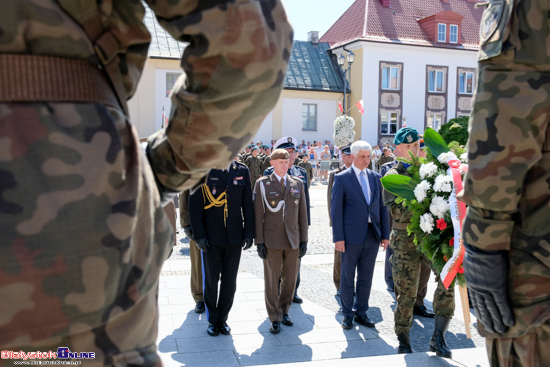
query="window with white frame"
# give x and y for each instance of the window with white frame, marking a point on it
(436, 81)
(170, 81)
(466, 83)
(434, 121)
(390, 77)
(309, 117)
(388, 123)
(441, 32)
(453, 33)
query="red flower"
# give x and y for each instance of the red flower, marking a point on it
(444, 257)
(441, 224)
(452, 242)
(461, 270)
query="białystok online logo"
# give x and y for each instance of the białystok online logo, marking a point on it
(62, 353)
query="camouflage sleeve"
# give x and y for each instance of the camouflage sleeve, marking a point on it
(244, 45)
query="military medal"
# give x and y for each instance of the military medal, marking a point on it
(273, 203)
(296, 201)
(234, 182)
(214, 191)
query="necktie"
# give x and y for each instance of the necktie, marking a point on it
(283, 182)
(364, 186)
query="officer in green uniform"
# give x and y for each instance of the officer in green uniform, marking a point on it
(254, 165)
(507, 188)
(406, 263)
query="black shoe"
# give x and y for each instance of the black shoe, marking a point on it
(224, 328)
(338, 292)
(275, 327)
(422, 311)
(297, 299)
(438, 343)
(404, 343)
(287, 320)
(363, 320)
(391, 288)
(199, 307)
(212, 329)
(347, 323)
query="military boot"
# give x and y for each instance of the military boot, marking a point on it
(404, 343)
(438, 343)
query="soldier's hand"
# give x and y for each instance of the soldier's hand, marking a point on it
(189, 232)
(203, 245)
(486, 274)
(166, 194)
(303, 249)
(247, 243)
(262, 250)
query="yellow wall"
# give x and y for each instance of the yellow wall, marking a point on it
(357, 90)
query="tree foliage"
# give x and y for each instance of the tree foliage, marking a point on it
(455, 130)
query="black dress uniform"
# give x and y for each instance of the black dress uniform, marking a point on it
(222, 212)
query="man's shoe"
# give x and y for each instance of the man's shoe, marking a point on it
(347, 323)
(275, 327)
(297, 299)
(213, 329)
(438, 343)
(404, 343)
(422, 311)
(287, 320)
(224, 328)
(199, 307)
(363, 320)
(391, 288)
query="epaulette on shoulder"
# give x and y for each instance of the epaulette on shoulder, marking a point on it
(241, 164)
(263, 178)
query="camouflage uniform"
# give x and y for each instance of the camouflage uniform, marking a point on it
(507, 188)
(406, 262)
(83, 237)
(266, 163)
(309, 170)
(255, 167)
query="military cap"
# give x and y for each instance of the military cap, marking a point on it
(406, 135)
(346, 150)
(288, 142)
(253, 148)
(279, 154)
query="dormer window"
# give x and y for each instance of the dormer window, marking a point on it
(441, 34)
(453, 34)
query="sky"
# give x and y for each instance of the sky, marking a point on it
(314, 15)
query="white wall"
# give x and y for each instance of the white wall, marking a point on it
(414, 61)
(292, 119)
(266, 130)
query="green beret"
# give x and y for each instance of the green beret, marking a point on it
(406, 135)
(254, 148)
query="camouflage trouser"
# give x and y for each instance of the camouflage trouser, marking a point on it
(406, 262)
(529, 350)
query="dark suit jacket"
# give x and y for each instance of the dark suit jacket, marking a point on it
(350, 211)
(209, 224)
(329, 188)
(272, 229)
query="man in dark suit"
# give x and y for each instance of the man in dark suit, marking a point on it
(281, 235)
(222, 217)
(348, 161)
(360, 225)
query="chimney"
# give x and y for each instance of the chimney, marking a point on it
(313, 37)
(385, 3)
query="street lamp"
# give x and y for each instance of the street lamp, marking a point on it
(341, 60)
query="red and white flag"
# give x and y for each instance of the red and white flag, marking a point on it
(340, 106)
(360, 106)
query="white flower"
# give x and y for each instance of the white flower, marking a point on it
(427, 170)
(420, 191)
(445, 157)
(439, 206)
(427, 223)
(343, 130)
(443, 183)
(464, 157)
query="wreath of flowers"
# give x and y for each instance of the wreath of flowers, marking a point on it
(343, 130)
(426, 194)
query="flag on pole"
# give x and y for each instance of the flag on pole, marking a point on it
(340, 106)
(360, 106)
(163, 119)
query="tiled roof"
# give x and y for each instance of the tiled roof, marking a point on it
(163, 45)
(398, 23)
(311, 67)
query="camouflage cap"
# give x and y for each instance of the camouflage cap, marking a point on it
(406, 135)
(279, 154)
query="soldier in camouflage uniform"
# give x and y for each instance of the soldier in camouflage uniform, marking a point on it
(244, 154)
(83, 233)
(507, 187)
(307, 167)
(254, 165)
(406, 263)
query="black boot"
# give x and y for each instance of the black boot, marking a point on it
(438, 343)
(404, 343)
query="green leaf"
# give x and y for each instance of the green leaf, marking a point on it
(435, 142)
(401, 186)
